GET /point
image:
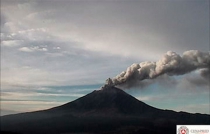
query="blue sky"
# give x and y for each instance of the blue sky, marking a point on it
(53, 52)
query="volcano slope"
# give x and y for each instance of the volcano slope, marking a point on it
(109, 110)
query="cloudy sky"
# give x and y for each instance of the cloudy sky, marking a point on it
(54, 51)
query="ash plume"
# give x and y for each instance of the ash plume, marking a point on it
(170, 64)
(205, 73)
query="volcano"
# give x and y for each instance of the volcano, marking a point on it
(108, 100)
(108, 110)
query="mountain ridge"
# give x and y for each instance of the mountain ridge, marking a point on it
(107, 97)
(108, 110)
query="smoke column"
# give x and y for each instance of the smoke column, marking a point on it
(170, 64)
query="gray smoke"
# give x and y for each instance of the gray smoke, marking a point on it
(170, 64)
(205, 73)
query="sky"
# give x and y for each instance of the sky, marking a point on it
(55, 51)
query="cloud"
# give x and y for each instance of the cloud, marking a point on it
(26, 49)
(127, 33)
(26, 76)
(194, 108)
(7, 112)
(187, 100)
(11, 43)
(33, 98)
(28, 106)
(32, 49)
(197, 81)
(24, 96)
(56, 48)
(194, 82)
(121, 32)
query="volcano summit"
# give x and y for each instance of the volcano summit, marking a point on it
(109, 110)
